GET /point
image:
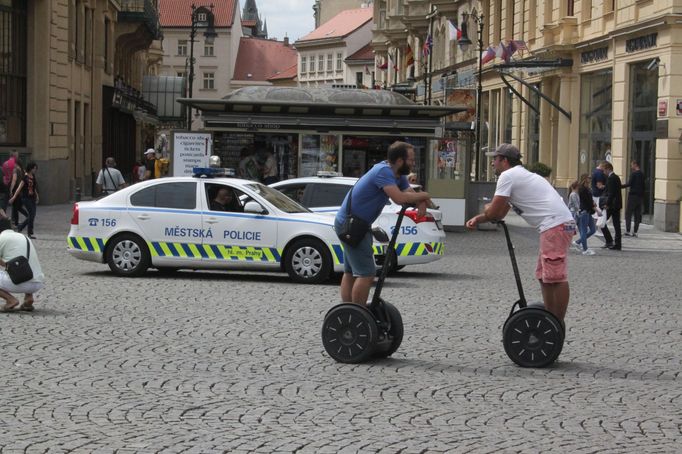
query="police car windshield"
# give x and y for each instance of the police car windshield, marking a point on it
(279, 200)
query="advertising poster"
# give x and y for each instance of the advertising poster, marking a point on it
(190, 149)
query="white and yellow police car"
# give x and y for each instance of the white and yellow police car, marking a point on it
(169, 224)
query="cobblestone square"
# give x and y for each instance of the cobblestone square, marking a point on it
(205, 362)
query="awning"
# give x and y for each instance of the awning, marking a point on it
(321, 110)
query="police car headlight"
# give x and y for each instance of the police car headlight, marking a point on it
(380, 234)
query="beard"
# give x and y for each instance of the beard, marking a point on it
(404, 169)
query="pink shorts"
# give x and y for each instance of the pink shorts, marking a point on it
(552, 260)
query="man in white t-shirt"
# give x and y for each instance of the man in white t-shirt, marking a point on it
(537, 202)
(109, 179)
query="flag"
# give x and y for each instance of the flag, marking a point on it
(409, 56)
(520, 44)
(383, 66)
(503, 52)
(367, 70)
(488, 55)
(428, 45)
(455, 33)
(392, 59)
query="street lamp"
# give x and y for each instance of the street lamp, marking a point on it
(202, 16)
(464, 44)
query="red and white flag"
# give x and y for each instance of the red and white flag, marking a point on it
(455, 33)
(487, 55)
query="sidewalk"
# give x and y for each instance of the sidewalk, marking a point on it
(648, 238)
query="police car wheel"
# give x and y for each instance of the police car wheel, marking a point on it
(308, 261)
(127, 255)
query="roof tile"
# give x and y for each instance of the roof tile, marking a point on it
(262, 58)
(178, 13)
(341, 25)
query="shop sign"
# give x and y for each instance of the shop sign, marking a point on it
(662, 108)
(641, 43)
(190, 149)
(678, 103)
(250, 126)
(465, 78)
(594, 55)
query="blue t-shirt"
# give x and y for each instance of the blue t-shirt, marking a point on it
(598, 175)
(369, 197)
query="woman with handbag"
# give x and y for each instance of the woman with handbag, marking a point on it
(23, 273)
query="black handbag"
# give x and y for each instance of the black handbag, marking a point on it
(18, 268)
(353, 229)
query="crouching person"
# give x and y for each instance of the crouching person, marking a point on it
(13, 244)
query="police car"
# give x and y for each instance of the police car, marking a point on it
(168, 224)
(420, 240)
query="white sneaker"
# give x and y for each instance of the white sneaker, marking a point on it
(577, 246)
(589, 252)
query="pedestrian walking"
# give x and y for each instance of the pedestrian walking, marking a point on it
(7, 172)
(537, 202)
(613, 206)
(28, 191)
(150, 165)
(15, 197)
(109, 178)
(586, 210)
(635, 198)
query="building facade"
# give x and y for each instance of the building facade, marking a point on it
(322, 53)
(571, 82)
(69, 87)
(213, 62)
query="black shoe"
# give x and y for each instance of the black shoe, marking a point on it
(613, 247)
(628, 234)
(607, 246)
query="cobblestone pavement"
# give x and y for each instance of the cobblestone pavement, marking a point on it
(232, 362)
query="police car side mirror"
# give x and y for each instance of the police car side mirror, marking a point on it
(254, 207)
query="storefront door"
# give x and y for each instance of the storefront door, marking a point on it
(643, 99)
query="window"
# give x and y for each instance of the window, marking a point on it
(358, 79)
(339, 61)
(327, 195)
(209, 81)
(330, 64)
(181, 74)
(182, 47)
(201, 17)
(570, 7)
(107, 39)
(596, 118)
(320, 63)
(311, 66)
(296, 192)
(13, 72)
(208, 50)
(304, 63)
(167, 195)
(533, 129)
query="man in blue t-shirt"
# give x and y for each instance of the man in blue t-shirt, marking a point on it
(385, 180)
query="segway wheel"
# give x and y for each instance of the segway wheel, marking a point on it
(395, 332)
(533, 337)
(349, 333)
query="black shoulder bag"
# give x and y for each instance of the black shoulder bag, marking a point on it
(353, 229)
(18, 268)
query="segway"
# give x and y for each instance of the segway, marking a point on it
(532, 336)
(353, 333)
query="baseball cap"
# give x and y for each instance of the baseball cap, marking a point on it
(149, 151)
(507, 150)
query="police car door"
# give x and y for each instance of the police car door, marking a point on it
(238, 239)
(168, 215)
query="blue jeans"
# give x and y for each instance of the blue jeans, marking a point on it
(586, 227)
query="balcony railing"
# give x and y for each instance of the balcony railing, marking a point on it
(141, 11)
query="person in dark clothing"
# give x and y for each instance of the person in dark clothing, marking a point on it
(225, 200)
(598, 182)
(28, 191)
(614, 203)
(635, 198)
(17, 204)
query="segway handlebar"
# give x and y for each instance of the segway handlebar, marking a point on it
(389, 257)
(517, 276)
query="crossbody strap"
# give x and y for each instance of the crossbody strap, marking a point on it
(113, 183)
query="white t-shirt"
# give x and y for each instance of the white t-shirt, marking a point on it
(141, 170)
(110, 179)
(533, 198)
(13, 244)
